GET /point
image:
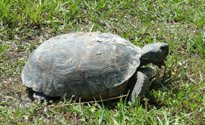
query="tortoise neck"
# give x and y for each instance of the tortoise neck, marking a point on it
(144, 62)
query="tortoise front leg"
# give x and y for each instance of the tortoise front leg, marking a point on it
(142, 83)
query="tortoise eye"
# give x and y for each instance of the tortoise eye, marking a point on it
(163, 47)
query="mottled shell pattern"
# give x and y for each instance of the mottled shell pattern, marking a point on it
(88, 65)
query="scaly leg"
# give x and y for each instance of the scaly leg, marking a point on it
(142, 83)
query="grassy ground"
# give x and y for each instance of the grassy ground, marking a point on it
(176, 98)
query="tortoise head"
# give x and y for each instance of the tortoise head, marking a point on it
(154, 53)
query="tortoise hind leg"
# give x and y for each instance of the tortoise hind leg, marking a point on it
(142, 83)
(39, 96)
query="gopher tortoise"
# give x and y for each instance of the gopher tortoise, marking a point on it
(91, 66)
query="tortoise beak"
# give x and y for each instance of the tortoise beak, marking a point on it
(165, 50)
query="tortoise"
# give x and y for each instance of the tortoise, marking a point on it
(91, 65)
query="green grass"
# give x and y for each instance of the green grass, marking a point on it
(176, 98)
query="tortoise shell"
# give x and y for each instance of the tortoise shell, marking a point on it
(88, 65)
